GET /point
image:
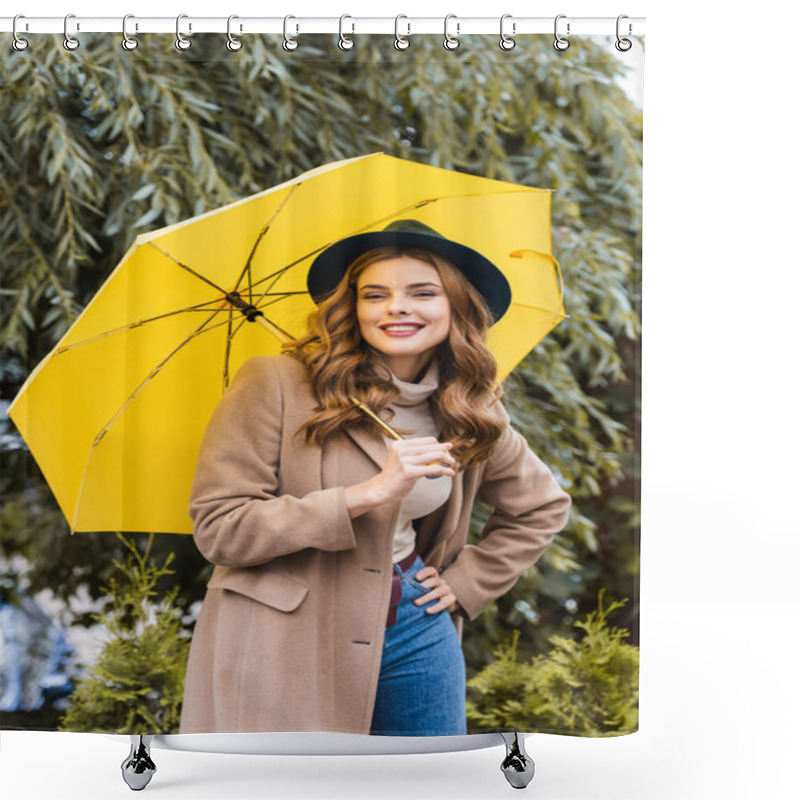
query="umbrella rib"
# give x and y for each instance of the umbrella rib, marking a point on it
(226, 377)
(538, 308)
(187, 268)
(248, 265)
(150, 377)
(200, 307)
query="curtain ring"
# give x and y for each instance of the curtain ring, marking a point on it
(507, 42)
(451, 42)
(345, 42)
(70, 42)
(19, 43)
(288, 42)
(401, 42)
(181, 42)
(623, 45)
(560, 42)
(233, 44)
(128, 42)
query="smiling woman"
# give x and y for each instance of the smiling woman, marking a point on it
(403, 311)
(335, 562)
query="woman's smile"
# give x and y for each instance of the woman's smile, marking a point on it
(401, 329)
(403, 312)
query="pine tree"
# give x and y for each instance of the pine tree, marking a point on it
(136, 683)
(588, 686)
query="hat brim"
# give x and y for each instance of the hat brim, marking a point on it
(329, 267)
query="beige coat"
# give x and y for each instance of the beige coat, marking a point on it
(291, 630)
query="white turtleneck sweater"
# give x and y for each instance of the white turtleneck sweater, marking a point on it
(413, 413)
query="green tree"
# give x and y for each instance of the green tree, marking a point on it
(100, 145)
(136, 683)
(588, 686)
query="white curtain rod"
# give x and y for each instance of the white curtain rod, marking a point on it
(349, 25)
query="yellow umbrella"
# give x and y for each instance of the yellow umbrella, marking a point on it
(115, 413)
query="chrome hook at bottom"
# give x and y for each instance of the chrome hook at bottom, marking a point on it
(517, 766)
(138, 768)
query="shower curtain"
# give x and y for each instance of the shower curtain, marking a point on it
(206, 153)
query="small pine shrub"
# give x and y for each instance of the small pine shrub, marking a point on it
(136, 683)
(587, 686)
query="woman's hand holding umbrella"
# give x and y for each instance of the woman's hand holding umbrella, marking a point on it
(407, 462)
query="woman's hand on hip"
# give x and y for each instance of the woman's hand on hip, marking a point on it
(430, 578)
(408, 461)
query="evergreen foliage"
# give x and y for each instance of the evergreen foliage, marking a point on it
(587, 686)
(136, 683)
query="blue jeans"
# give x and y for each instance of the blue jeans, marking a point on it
(422, 683)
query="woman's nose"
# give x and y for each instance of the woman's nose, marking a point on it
(397, 304)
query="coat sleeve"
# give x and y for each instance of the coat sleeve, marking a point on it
(530, 508)
(240, 518)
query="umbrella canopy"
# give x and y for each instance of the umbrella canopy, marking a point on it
(114, 415)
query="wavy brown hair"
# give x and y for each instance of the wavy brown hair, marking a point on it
(341, 364)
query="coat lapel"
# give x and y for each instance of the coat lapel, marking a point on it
(373, 445)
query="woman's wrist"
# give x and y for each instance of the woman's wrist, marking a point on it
(363, 497)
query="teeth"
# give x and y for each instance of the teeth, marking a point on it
(401, 327)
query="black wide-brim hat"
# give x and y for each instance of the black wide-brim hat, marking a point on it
(330, 266)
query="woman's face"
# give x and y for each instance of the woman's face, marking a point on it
(403, 312)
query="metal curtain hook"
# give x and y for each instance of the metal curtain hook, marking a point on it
(288, 42)
(623, 45)
(19, 43)
(128, 42)
(560, 42)
(233, 44)
(181, 42)
(401, 42)
(70, 42)
(451, 42)
(507, 42)
(345, 42)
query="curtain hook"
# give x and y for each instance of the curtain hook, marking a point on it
(128, 42)
(560, 42)
(401, 42)
(623, 45)
(70, 42)
(345, 42)
(288, 42)
(507, 42)
(451, 42)
(181, 42)
(233, 44)
(19, 43)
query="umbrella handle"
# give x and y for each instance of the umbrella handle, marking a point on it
(388, 429)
